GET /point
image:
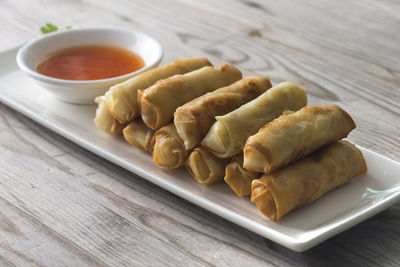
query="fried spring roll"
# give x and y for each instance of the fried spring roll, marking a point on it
(294, 135)
(307, 179)
(228, 135)
(122, 98)
(159, 102)
(104, 120)
(139, 135)
(168, 148)
(194, 119)
(205, 167)
(238, 178)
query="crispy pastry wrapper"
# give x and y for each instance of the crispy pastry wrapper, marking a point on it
(139, 135)
(168, 148)
(194, 119)
(238, 178)
(307, 179)
(159, 102)
(104, 120)
(227, 136)
(139, 98)
(294, 135)
(205, 167)
(122, 98)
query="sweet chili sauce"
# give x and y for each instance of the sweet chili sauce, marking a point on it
(90, 63)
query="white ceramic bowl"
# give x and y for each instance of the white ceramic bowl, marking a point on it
(83, 92)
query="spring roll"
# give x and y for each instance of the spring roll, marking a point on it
(228, 135)
(295, 135)
(194, 119)
(205, 167)
(104, 120)
(159, 102)
(139, 135)
(307, 179)
(168, 148)
(122, 98)
(238, 178)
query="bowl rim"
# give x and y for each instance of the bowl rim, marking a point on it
(23, 50)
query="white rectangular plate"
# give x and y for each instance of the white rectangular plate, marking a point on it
(300, 230)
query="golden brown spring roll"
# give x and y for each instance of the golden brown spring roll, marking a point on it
(194, 119)
(294, 135)
(228, 135)
(205, 167)
(122, 98)
(168, 148)
(159, 102)
(307, 179)
(139, 135)
(238, 178)
(104, 120)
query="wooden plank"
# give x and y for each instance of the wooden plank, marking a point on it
(26, 241)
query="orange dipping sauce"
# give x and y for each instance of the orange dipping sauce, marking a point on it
(90, 63)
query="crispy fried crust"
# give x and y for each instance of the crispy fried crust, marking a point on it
(307, 179)
(205, 167)
(159, 102)
(194, 119)
(291, 136)
(122, 98)
(168, 148)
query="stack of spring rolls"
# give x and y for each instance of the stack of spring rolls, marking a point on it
(262, 140)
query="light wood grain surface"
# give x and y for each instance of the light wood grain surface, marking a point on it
(61, 205)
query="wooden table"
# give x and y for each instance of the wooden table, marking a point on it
(62, 205)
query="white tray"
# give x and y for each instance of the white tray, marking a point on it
(300, 230)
